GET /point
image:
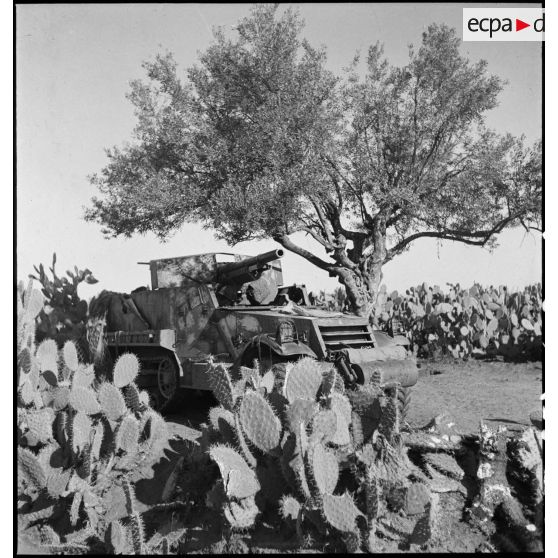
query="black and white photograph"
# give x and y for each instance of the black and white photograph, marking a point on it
(279, 278)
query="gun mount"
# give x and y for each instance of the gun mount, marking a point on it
(247, 270)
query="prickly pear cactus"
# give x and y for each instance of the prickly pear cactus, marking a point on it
(302, 380)
(259, 422)
(325, 469)
(239, 480)
(221, 385)
(287, 459)
(341, 512)
(79, 442)
(126, 370)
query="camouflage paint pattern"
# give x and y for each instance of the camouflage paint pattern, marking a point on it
(188, 303)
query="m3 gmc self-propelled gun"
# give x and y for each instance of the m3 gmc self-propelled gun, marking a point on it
(235, 309)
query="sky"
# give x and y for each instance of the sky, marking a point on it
(74, 64)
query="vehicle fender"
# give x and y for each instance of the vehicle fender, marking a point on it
(281, 349)
(143, 342)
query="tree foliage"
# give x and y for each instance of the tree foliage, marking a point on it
(262, 140)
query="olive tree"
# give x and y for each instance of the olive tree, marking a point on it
(261, 140)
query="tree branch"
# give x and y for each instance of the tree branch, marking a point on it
(287, 243)
(365, 215)
(478, 238)
(316, 237)
(322, 218)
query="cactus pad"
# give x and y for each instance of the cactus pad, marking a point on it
(81, 430)
(297, 463)
(241, 515)
(30, 468)
(27, 393)
(251, 375)
(70, 355)
(155, 431)
(356, 430)
(341, 406)
(126, 369)
(137, 533)
(341, 436)
(57, 482)
(239, 480)
(241, 483)
(83, 376)
(372, 494)
(118, 539)
(367, 455)
(83, 400)
(444, 463)
(24, 360)
(132, 398)
(40, 424)
(325, 469)
(300, 411)
(144, 397)
(223, 421)
(389, 421)
(76, 506)
(289, 507)
(47, 355)
(241, 443)
(127, 434)
(329, 380)
(340, 511)
(216, 414)
(259, 422)
(302, 379)
(96, 444)
(268, 381)
(111, 400)
(352, 541)
(48, 379)
(33, 303)
(221, 385)
(61, 398)
(324, 426)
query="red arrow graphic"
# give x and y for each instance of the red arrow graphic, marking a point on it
(519, 25)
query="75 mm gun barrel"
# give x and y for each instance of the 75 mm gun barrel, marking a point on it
(249, 269)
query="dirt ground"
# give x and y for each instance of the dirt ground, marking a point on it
(498, 392)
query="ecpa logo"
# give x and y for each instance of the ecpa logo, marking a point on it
(503, 24)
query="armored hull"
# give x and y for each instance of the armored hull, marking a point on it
(234, 312)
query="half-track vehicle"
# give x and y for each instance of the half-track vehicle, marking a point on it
(235, 309)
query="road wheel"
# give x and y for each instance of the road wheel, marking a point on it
(404, 401)
(164, 390)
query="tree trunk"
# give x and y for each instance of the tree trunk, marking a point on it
(363, 283)
(362, 287)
